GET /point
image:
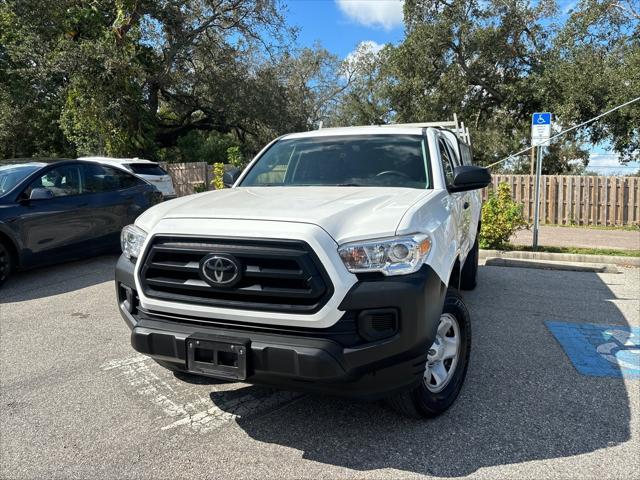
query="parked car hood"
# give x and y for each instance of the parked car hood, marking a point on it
(346, 213)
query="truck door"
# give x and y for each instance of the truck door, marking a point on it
(457, 198)
(467, 204)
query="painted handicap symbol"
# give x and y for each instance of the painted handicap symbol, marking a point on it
(600, 350)
(623, 350)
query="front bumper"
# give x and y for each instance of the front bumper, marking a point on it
(342, 359)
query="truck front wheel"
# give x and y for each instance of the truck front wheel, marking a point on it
(446, 365)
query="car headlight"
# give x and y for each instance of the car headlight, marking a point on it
(131, 240)
(391, 256)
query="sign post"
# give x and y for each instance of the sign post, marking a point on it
(540, 133)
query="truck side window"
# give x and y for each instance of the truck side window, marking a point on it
(447, 165)
(453, 154)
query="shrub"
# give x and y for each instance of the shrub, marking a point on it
(501, 218)
(199, 188)
(234, 157)
(218, 174)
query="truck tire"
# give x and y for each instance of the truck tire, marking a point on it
(6, 262)
(446, 369)
(469, 274)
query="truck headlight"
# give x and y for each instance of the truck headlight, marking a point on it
(391, 256)
(131, 240)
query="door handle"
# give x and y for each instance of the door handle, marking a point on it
(465, 205)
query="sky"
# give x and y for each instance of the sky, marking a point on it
(341, 25)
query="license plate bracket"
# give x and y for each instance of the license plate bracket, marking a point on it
(218, 356)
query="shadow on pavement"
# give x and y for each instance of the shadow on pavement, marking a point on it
(62, 278)
(522, 401)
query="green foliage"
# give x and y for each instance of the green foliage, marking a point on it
(366, 101)
(199, 146)
(495, 62)
(199, 188)
(234, 157)
(501, 218)
(176, 81)
(185, 81)
(218, 176)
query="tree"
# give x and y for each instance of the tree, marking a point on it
(366, 98)
(495, 62)
(142, 77)
(594, 65)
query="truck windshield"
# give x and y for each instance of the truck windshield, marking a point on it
(360, 160)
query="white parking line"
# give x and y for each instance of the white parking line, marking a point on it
(200, 407)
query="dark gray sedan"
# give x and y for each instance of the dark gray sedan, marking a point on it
(56, 211)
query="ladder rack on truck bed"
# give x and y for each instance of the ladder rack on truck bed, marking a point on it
(456, 127)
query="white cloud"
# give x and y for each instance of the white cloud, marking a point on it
(359, 54)
(567, 6)
(373, 13)
(609, 164)
(364, 47)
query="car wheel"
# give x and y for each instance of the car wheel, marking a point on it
(6, 262)
(446, 365)
(469, 274)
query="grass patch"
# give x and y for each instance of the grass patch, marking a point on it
(575, 250)
(627, 228)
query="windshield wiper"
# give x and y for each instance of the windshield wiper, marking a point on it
(350, 185)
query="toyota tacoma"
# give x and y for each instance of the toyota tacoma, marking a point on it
(334, 263)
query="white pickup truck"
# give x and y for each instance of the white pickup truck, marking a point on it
(333, 264)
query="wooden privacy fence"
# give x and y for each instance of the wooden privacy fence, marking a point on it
(576, 200)
(189, 178)
(564, 200)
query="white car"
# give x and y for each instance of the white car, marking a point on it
(150, 171)
(333, 264)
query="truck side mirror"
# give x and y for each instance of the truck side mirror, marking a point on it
(40, 194)
(469, 177)
(230, 176)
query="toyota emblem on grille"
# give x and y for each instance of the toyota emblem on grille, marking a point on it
(220, 270)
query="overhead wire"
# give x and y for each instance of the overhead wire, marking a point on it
(591, 120)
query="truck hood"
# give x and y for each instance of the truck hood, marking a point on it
(346, 213)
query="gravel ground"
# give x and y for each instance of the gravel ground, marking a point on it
(78, 402)
(551, 236)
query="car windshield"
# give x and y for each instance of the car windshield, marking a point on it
(381, 160)
(11, 175)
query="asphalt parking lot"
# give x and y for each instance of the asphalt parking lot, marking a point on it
(78, 402)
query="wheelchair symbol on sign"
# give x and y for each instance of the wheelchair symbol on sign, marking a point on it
(623, 350)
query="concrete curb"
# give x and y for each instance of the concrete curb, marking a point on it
(563, 257)
(552, 265)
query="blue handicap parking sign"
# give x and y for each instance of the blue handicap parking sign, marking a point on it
(541, 118)
(600, 350)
